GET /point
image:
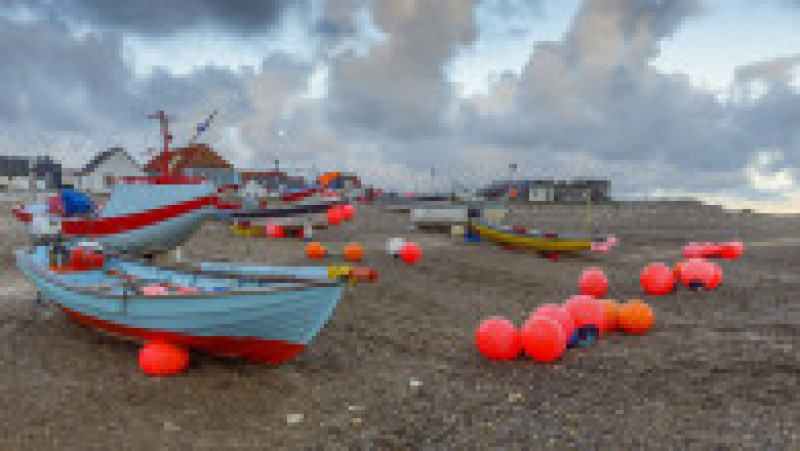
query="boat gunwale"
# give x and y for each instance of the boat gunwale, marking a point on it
(103, 291)
(559, 237)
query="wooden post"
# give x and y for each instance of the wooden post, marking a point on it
(589, 211)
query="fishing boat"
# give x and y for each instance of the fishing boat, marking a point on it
(520, 237)
(265, 314)
(143, 215)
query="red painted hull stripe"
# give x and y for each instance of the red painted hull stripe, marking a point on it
(273, 352)
(114, 225)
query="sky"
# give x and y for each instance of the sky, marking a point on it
(662, 97)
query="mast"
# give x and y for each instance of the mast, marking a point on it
(165, 133)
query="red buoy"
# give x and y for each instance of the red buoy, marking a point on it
(543, 339)
(585, 311)
(410, 252)
(498, 339)
(695, 273)
(335, 215)
(275, 231)
(657, 279)
(163, 359)
(558, 313)
(348, 212)
(593, 283)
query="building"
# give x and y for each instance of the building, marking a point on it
(273, 180)
(196, 160)
(101, 173)
(548, 190)
(29, 173)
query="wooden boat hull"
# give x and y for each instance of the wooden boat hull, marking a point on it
(266, 326)
(543, 244)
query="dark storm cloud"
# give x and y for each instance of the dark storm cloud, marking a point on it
(160, 17)
(51, 80)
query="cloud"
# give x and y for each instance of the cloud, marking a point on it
(777, 70)
(398, 89)
(159, 18)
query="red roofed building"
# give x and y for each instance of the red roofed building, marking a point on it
(195, 160)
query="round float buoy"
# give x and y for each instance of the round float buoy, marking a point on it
(558, 313)
(657, 279)
(335, 216)
(593, 282)
(692, 250)
(315, 250)
(348, 211)
(694, 273)
(543, 339)
(275, 231)
(352, 252)
(610, 309)
(163, 359)
(714, 278)
(410, 253)
(498, 339)
(587, 314)
(636, 317)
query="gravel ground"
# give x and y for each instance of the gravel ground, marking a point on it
(396, 366)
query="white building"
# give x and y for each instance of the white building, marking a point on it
(99, 175)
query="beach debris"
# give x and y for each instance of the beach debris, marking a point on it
(729, 250)
(414, 382)
(352, 252)
(515, 397)
(498, 339)
(657, 279)
(171, 427)
(610, 315)
(394, 245)
(355, 408)
(593, 282)
(315, 250)
(356, 421)
(294, 418)
(410, 252)
(274, 231)
(636, 317)
(543, 339)
(163, 359)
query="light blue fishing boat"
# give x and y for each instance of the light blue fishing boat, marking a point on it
(266, 314)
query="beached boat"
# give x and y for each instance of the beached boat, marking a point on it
(519, 237)
(266, 314)
(143, 215)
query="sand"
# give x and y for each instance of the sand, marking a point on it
(396, 366)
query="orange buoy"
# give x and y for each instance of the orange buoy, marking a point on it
(610, 315)
(163, 359)
(315, 250)
(636, 317)
(543, 339)
(657, 279)
(498, 339)
(593, 282)
(352, 252)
